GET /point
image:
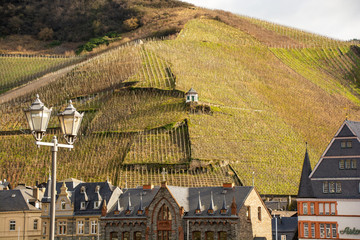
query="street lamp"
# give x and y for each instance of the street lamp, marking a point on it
(38, 116)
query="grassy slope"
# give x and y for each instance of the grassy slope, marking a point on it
(243, 76)
(263, 110)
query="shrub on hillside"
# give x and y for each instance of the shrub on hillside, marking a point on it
(46, 34)
(131, 24)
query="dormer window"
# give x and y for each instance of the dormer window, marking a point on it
(97, 189)
(82, 206)
(97, 204)
(63, 205)
(82, 190)
(346, 144)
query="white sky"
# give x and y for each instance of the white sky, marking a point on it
(339, 19)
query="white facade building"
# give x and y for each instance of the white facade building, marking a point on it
(329, 196)
(191, 96)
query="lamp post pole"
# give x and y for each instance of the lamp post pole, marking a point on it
(54, 150)
(38, 117)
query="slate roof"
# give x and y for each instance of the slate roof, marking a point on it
(147, 197)
(16, 200)
(354, 126)
(285, 224)
(70, 184)
(186, 197)
(106, 191)
(305, 186)
(191, 91)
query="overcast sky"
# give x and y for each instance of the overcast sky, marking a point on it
(338, 19)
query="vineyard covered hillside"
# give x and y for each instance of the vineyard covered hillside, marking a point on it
(264, 90)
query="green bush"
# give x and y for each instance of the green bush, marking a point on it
(95, 42)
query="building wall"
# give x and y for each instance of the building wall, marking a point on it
(254, 227)
(24, 221)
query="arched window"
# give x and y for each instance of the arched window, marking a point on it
(137, 236)
(63, 204)
(126, 236)
(113, 236)
(164, 213)
(164, 223)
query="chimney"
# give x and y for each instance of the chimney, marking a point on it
(228, 185)
(36, 193)
(148, 187)
(103, 209)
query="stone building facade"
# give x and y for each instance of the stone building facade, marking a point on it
(170, 212)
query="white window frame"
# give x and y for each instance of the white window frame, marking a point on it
(305, 208)
(63, 205)
(80, 227)
(306, 230)
(321, 208)
(96, 204)
(283, 237)
(12, 225)
(325, 187)
(332, 208)
(322, 230)
(82, 205)
(334, 228)
(332, 187)
(342, 164)
(327, 208)
(62, 227)
(338, 187)
(94, 227)
(313, 230)
(328, 230)
(312, 208)
(353, 164)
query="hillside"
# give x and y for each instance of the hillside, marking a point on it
(270, 89)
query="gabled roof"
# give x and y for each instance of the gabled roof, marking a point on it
(191, 91)
(305, 186)
(16, 200)
(353, 126)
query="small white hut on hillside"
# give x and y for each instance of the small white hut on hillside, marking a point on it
(192, 96)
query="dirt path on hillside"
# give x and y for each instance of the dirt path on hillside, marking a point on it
(35, 84)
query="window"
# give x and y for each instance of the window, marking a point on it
(321, 208)
(325, 187)
(248, 210)
(114, 236)
(327, 209)
(196, 235)
(313, 230)
(333, 211)
(328, 232)
(63, 204)
(347, 164)
(283, 237)
(353, 164)
(35, 226)
(82, 205)
(62, 228)
(188, 98)
(305, 208)
(137, 236)
(342, 164)
(80, 227)
(126, 235)
(334, 230)
(331, 187)
(338, 187)
(44, 228)
(209, 235)
(222, 235)
(94, 226)
(312, 208)
(164, 235)
(164, 213)
(306, 230)
(259, 213)
(96, 204)
(346, 144)
(12, 226)
(322, 230)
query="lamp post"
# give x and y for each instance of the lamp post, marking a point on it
(38, 116)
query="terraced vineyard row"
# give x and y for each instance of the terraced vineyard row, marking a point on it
(18, 70)
(265, 104)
